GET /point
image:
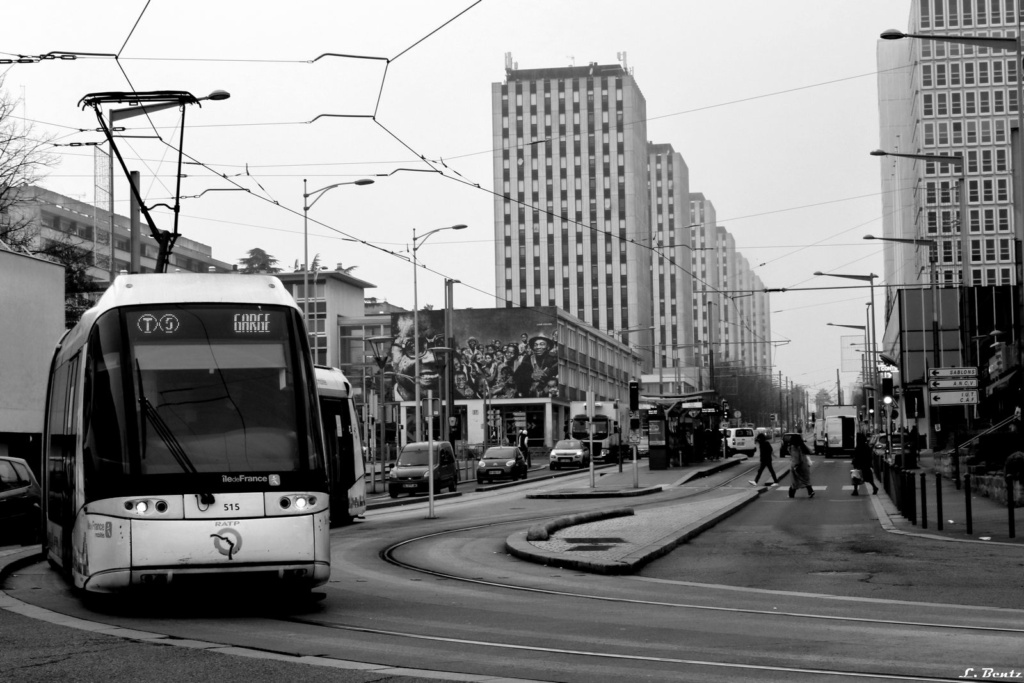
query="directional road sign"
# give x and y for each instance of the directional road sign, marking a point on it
(966, 383)
(953, 398)
(936, 373)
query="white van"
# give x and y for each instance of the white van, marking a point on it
(740, 440)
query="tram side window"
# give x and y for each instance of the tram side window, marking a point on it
(104, 428)
(60, 452)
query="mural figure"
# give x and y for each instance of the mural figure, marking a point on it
(534, 373)
(508, 369)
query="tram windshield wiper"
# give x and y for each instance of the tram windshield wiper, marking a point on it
(165, 433)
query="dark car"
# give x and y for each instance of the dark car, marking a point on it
(501, 462)
(410, 475)
(19, 502)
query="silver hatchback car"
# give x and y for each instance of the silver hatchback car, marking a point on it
(569, 453)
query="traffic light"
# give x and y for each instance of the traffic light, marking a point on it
(887, 387)
(634, 396)
(871, 404)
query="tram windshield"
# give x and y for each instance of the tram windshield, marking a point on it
(197, 389)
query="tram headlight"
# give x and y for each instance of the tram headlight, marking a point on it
(146, 507)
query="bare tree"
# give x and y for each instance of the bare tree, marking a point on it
(25, 158)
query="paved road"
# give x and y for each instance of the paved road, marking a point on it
(525, 620)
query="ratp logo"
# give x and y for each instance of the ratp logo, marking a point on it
(227, 542)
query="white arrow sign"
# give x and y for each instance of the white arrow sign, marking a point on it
(966, 383)
(953, 398)
(952, 372)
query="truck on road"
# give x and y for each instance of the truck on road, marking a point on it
(836, 430)
(609, 418)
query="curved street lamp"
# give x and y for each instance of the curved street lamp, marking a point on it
(417, 242)
(873, 339)
(306, 206)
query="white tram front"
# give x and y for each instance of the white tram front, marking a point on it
(183, 440)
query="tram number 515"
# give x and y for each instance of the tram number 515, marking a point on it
(232, 507)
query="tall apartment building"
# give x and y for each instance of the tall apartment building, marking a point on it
(730, 308)
(572, 207)
(939, 98)
(673, 284)
(706, 282)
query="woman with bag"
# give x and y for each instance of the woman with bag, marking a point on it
(861, 473)
(800, 465)
(764, 447)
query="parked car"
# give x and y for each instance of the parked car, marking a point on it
(410, 475)
(569, 453)
(879, 447)
(740, 440)
(19, 502)
(501, 462)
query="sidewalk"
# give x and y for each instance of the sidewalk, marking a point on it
(989, 519)
(622, 540)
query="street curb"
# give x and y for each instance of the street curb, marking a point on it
(518, 546)
(12, 562)
(597, 493)
(542, 532)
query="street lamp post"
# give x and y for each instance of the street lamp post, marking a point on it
(933, 261)
(961, 184)
(381, 359)
(306, 206)
(873, 346)
(417, 242)
(867, 375)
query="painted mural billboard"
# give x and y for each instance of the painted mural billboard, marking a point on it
(498, 353)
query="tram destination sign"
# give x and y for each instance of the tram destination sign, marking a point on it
(953, 398)
(938, 373)
(946, 384)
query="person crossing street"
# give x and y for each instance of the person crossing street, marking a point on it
(765, 451)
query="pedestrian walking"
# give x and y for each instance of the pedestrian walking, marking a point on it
(800, 465)
(862, 465)
(765, 450)
(524, 448)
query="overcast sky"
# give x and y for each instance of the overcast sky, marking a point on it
(773, 106)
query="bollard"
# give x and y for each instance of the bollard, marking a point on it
(1009, 504)
(956, 464)
(924, 501)
(938, 500)
(911, 498)
(967, 502)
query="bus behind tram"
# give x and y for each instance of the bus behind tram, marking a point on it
(183, 442)
(342, 445)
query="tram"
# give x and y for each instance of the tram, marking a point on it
(183, 443)
(344, 448)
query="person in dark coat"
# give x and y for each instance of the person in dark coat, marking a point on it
(800, 466)
(764, 448)
(862, 462)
